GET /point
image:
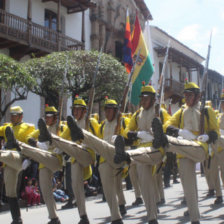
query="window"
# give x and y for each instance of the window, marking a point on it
(2, 4)
(118, 50)
(160, 68)
(50, 21)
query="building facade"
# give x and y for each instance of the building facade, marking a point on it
(39, 27)
(183, 63)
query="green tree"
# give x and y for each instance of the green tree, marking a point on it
(77, 68)
(13, 78)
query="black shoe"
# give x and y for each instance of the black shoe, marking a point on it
(11, 140)
(15, 210)
(195, 222)
(210, 193)
(118, 221)
(154, 221)
(84, 220)
(160, 139)
(218, 200)
(44, 135)
(186, 213)
(176, 182)
(137, 202)
(90, 191)
(69, 205)
(167, 185)
(120, 154)
(54, 221)
(122, 209)
(75, 130)
(18, 221)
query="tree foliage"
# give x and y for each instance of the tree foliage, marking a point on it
(72, 72)
(13, 78)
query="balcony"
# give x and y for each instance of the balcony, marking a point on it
(173, 87)
(16, 31)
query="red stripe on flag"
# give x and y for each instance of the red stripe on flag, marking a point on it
(136, 35)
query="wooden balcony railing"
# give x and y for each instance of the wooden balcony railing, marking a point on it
(21, 30)
(174, 86)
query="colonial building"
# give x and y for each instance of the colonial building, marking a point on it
(108, 23)
(39, 27)
(182, 63)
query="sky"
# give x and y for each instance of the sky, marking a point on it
(191, 22)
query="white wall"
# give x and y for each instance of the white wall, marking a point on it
(18, 7)
(73, 22)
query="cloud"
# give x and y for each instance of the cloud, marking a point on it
(222, 15)
(189, 33)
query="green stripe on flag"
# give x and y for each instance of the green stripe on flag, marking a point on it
(145, 74)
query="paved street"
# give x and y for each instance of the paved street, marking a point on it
(98, 212)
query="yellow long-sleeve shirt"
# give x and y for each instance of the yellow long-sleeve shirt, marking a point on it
(21, 130)
(134, 125)
(210, 124)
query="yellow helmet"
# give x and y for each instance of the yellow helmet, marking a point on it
(79, 102)
(147, 90)
(50, 110)
(222, 96)
(16, 110)
(191, 87)
(110, 103)
(208, 103)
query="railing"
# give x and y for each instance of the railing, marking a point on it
(174, 86)
(26, 32)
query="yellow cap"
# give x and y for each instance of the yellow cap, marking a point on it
(50, 110)
(147, 90)
(110, 103)
(16, 110)
(208, 103)
(79, 102)
(191, 87)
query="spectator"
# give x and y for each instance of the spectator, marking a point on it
(30, 194)
(36, 191)
(59, 194)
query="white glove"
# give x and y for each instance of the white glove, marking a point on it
(43, 145)
(203, 138)
(113, 138)
(145, 136)
(221, 131)
(25, 164)
(187, 134)
(58, 151)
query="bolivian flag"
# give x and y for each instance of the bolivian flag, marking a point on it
(144, 68)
